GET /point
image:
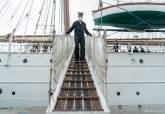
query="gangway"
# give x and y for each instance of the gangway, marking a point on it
(77, 92)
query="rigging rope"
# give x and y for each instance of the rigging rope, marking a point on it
(52, 27)
(18, 23)
(3, 7)
(19, 4)
(40, 13)
(5, 10)
(28, 14)
(47, 16)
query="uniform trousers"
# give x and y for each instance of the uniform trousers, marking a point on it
(79, 41)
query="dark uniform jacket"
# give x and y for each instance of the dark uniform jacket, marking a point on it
(79, 29)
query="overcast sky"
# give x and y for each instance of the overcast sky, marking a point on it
(11, 10)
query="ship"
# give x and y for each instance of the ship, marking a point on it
(123, 72)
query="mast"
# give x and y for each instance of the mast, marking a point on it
(66, 14)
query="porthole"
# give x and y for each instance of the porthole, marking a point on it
(133, 61)
(25, 60)
(13, 93)
(51, 61)
(118, 93)
(141, 61)
(0, 91)
(139, 106)
(51, 93)
(137, 93)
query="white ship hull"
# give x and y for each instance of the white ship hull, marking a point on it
(24, 84)
(128, 78)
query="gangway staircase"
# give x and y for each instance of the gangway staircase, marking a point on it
(78, 93)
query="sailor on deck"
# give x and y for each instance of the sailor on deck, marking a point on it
(79, 27)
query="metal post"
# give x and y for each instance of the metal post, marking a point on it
(104, 65)
(9, 47)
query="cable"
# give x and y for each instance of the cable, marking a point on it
(15, 11)
(40, 13)
(47, 16)
(3, 7)
(28, 14)
(21, 16)
(5, 10)
(44, 12)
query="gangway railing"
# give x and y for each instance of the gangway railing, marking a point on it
(62, 48)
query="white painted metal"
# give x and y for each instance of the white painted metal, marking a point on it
(149, 93)
(150, 59)
(24, 79)
(27, 94)
(147, 78)
(17, 71)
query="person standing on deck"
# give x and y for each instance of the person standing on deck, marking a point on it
(79, 28)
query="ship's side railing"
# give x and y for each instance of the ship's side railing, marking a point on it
(26, 44)
(27, 48)
(124, 41)
(142, 45)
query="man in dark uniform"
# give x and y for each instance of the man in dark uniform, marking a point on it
(79, 27)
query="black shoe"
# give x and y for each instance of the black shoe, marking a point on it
(82, 59)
